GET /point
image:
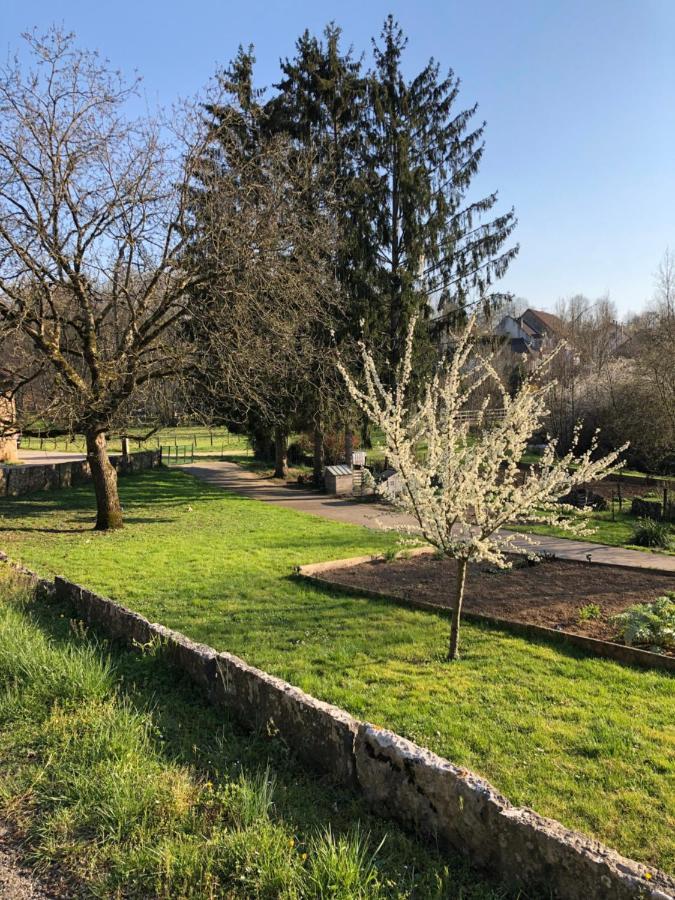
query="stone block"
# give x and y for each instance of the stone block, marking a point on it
(450, 804)
(117, 621)
(320, 734)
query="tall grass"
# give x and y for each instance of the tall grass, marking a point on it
(95, 778)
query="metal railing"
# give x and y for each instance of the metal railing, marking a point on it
(174, 455)
(473, 416)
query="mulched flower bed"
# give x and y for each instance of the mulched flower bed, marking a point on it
(550, 593)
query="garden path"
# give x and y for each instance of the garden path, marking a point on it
(16, 880)
(231, 477)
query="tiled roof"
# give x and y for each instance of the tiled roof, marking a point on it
(549, 320)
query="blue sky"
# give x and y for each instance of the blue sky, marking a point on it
(578, 96)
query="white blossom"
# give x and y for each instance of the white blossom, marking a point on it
(461, 476)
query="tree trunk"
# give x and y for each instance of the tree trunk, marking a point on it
(453, 652)
(366, 439)
(318, 460)
(104, 476)
(349, 445)
(280, 453)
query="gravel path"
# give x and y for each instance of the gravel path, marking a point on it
(16, 880)
(232, 477)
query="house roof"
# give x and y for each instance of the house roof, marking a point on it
(550, 321)
(519, 345)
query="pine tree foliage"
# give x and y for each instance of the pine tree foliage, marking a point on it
(433, 245)
(321, 104)
(262, 234)
(402, 158)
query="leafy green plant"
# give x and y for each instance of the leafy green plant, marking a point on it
(249, 799)
(589, 612)
(650, 533)
(651, 624)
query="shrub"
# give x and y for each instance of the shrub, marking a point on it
(652, 624)
(589, 612)
(334, 446)
(301, 448)
(650, 533)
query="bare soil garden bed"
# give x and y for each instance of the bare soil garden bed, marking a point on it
(551, 593)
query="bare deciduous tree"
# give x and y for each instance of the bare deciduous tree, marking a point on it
(263, 237)
(92, 205)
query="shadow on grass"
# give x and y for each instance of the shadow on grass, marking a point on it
(380, 604)
(157, 488)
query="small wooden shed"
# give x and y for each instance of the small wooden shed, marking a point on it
(338, 479)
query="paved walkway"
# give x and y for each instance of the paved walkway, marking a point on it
(47, 457)
(232, 477)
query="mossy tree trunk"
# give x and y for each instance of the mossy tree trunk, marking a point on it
(104, 476)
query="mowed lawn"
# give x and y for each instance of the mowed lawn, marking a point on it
(115, 768)
(579, 739)
(617, 532)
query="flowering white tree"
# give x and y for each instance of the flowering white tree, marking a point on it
(458, 457)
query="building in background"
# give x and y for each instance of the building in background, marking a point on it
(533, 331)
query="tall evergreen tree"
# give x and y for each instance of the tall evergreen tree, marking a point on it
(432, 244)
(402, 158)
(264, 245)
(320, 104)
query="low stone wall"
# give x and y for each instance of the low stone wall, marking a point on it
(16, 481)
(653, 509)
(400, 780)
(461, 809)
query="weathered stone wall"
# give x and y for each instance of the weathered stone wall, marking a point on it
(653, 509)
(400, 780)
(461, 809)
(16, 481)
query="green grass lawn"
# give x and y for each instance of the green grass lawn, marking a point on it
(581, 739)
(199, 438)
(116, 769)
(617, 532)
